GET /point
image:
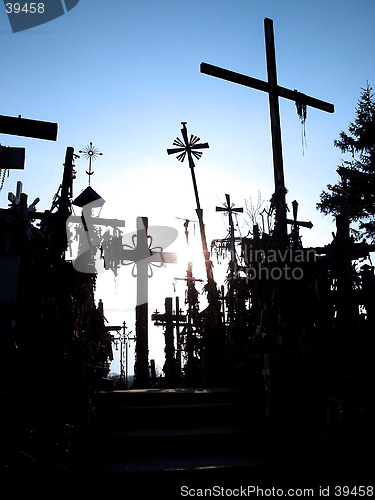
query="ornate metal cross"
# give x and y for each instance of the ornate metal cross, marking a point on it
(90, 153)
(274, 91)
(190, 148)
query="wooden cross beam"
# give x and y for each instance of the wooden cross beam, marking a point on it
(274, 92)
(142, 256)
(14, 158)
(28, 128)
(161, 319)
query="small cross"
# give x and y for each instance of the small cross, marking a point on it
(229, 209)
(91, 153)
(297, 224)
(186, 226)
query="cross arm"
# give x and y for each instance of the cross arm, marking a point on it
(28, 128)
(135, 255)
(200, 146)
(167, 257)
(248, 81)
(175, 150)
(97, 221)
(225, 209)
(232, 76)
(309, 224)
(195, 146)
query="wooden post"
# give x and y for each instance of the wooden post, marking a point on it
(277, 151)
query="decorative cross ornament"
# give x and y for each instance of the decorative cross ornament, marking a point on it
(274, 92)
(90, 153)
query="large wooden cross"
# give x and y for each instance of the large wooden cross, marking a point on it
(142, 256)
(274, 92)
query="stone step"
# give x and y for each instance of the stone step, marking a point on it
(171, 415)
(159, 430)
(151, 397)
(188, 462)
(170, 442)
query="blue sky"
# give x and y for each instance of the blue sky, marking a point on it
(124, 74)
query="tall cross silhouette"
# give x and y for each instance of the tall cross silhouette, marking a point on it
(142, 255)
(274, 92)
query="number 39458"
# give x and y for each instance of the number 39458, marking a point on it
(27, 8)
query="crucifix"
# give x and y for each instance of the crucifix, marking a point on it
(274, 92)
(142, 255)
(190, 148)
(297, 224)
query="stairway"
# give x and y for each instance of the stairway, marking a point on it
(161, 439)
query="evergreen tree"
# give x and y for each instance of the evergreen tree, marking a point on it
(357, 184)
